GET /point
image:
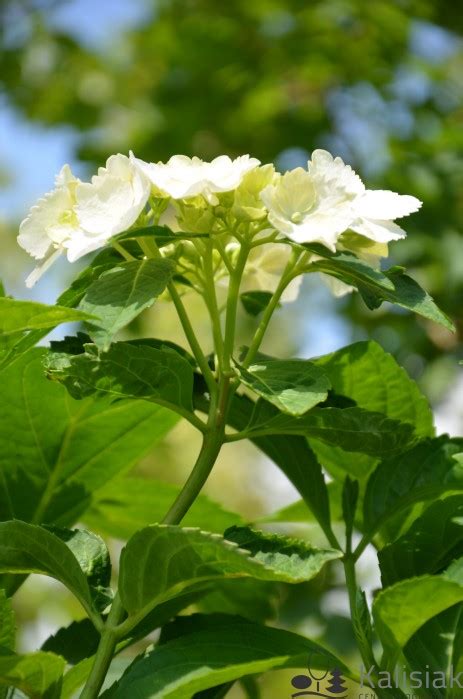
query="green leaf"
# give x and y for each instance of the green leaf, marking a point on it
(38, 675)
(214, 649)
(376, 286)
(163, 235)
(400, 610)
(293, 455)
(248, 598)
(78, 641)
(373, 379)
(437, 647)
(293, 386)
(370, 376)
(408, 294)
(93, 557)
(56, 451)
(348, 268)
(126, 505)
(433, 541)
(425, 472)
(352, 429)
(255, 302)
(127, 370)
(75, 642)
(286, 556)
(27, 548)
(7, 622)
(18, 316)
(120, 294)
(162, 561)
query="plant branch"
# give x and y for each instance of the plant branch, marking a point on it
(105, 651)
(232, 305)
(212, 443)
(150, 248)
(287, 277)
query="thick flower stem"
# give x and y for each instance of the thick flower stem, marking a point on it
(212, 443)
(105, 651)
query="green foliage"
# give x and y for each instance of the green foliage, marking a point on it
(352, 429)
(401, 609)
(427, 471)
(38, 675)
(76, 562)
(122, 293)
(432, 542)
(292, 386)
(127, 370)
(125, 505)
(18, 316)
(408, 294)
(200, 557)
(7, 623)
(49, 475)
(214, 649)
(255, 302)
(284, 76)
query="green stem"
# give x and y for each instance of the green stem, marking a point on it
(150, 249)
(212, 443)
(363, 644)
(122, 251)
(105, 651)
(232, 306)
(287, 277)
(210, 298)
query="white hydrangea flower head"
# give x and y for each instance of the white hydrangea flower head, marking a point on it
(183, 177)
(114, 199)
(79, 217)
(320, 204)
(50, 224)
(314, 206)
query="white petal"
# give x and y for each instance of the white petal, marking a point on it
(322, 228)
(291, 292)
(35, 275)
(386, 205)
(336, 286)
(34, 232)
(65, 177)
(81, 244)
(332, 177)
(379, 231)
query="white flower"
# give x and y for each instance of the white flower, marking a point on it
(320, 204)
(51, 224)
(314, 206)
(182, 177)
(114, 199)
(77, 218)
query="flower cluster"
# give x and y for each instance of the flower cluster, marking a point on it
(326, 203)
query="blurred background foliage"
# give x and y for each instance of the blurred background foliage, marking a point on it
(379, 83)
